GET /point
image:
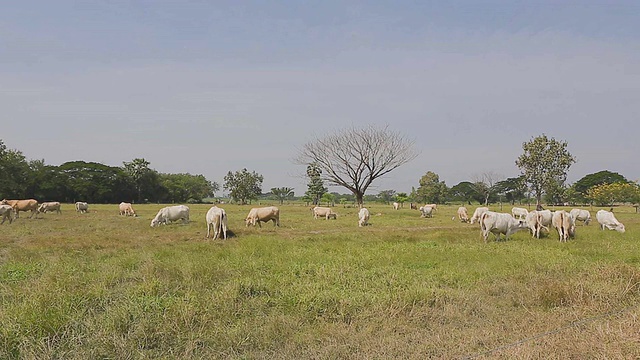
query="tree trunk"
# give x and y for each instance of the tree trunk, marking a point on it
(359, 199)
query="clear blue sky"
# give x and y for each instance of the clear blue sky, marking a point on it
(206, 87)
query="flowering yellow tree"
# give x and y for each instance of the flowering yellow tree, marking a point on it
(608, 194)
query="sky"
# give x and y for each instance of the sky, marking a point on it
(207, 87)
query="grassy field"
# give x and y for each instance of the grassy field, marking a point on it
(101, 286)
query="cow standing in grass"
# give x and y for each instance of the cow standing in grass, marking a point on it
(216, 219)
(169, 214)
(500, 223)
(22, 205)
(263, 214)
(363, 217)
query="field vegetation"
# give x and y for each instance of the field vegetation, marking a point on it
(99, 285)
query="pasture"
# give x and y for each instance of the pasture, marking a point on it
(100, 285)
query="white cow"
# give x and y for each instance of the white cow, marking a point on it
(396, 206)
(500, 223)
(426, 211)
(534, 224)
(171, 213)
(217, 220)
(478, 213)
(49, 206)
(581, 215)
(564, 224)
(363, 217)
(126, 209)
(520, 213)
(463, 215)
(82, 207)
(324, 212)
(6, 211)
(263, 214)
(607, 219)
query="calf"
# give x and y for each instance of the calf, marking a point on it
(500, 223)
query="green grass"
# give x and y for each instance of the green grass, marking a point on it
(98, 285)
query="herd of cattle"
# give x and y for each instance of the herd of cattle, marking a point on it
(216, 218)
(535, 221)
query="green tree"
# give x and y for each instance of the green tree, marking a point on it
(243, 185)
(91, 182)
(282, 193)
(601, 177)
(386, 196)
(402, 197)
(465, 191)
(514, 189)
(315, 187)
(14, 173)
(328, 198)
(354, 158)
(186, 188)
(610, 194)
(544, 164)
(431, 189)
(144, 178)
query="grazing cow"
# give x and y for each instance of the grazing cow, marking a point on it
(126, 209)
(82, 207)
(564, 223)
(520, 213)
(46, 207)
(6, 211)
(217, 220)
(426, 211)
(607, 219)
(534, 224)
(263, 214)
(396, 206)
(324, 212)
(463, 215)
(500, 223)
(171, 213)
(363, 217)
(581, 215)
(545, 218)
(413, 206)
(432, 206)
(23, 205)
(478, 213)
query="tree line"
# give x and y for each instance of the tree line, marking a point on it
(94, 182)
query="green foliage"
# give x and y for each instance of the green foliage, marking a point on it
(601, 177)
(513, 189)
(544, 164)
(328, 199)
(431, 189)
(386, 196)
(282, 193)
(182, 187)
(14, 173)
(610, 194)
(92, 182)
(243, 185)
(402, 197)
(315, 187)
(142, 176)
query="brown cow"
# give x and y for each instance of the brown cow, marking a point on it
(23, 205)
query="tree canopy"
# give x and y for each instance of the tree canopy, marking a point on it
(544, 164)
(243, 185)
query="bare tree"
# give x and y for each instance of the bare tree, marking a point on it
(355, 157)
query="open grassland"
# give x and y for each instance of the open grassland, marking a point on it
(98, 285)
